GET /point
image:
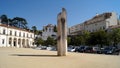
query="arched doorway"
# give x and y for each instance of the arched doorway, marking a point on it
(10, 41)
(19, 42)
(15, 42)
(23, 42)
(27, 43)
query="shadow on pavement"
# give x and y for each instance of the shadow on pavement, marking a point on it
(34, 55)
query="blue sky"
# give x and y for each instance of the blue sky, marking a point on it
(42, 12)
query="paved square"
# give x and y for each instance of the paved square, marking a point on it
(31, 58)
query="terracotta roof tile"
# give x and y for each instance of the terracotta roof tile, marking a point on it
(4, 25)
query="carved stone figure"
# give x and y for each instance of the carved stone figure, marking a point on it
(62, 33)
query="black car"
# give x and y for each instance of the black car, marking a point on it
(88, 49)
(111, 50)
(80, 49)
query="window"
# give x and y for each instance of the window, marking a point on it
(87, 26)
(3, 41)
(31, 35)
(27, 35)
(15, 33)
(19, 41)
(23, 34)
(103, 27)
(4, 31)
(10, 40)
(10, 32)
(19, 34)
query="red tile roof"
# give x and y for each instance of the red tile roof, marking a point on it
(4, 25)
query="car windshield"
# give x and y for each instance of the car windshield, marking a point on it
(108, 48)
(82, 47)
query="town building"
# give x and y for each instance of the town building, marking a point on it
(100, 21)
(15, 37)
(48, 31)
(76, 29)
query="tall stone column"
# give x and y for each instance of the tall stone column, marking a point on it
(62, 33)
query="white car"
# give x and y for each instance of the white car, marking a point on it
(38, 48)
(71, 49)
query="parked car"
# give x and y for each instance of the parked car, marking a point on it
(49, 48)
(111, 50)
(96, 49)
(81, 49)
(88, 49)
(43, 47)
(117, 52)
(54, 48)
(100, 51)
(71, 49)
(38, 48)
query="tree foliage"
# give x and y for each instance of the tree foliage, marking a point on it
(39, 41)
(55, 28)
(100, 37)
(34, 28)
(18, 22)
(115, 36)
(50, 41)
(4, 19)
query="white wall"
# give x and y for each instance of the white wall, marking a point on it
(6, 36)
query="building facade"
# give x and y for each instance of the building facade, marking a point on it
(75, 30)
(15, 37)
(48, 31)
(101, 21)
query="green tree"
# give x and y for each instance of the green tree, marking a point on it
(34, 28)
(86, 36)
(19, 22)
(79, 40)
(49, 41)
(98, 38)
(69, 40)
(4, 19)
(9, 21)
(55, 28)
(115, 36)
(76, 40)
(39, 32)
(39, 41)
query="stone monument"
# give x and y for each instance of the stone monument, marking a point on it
(62, 33)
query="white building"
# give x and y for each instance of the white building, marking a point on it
(15, 37)
(76, 29)
(101, 21)
(48, 31)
